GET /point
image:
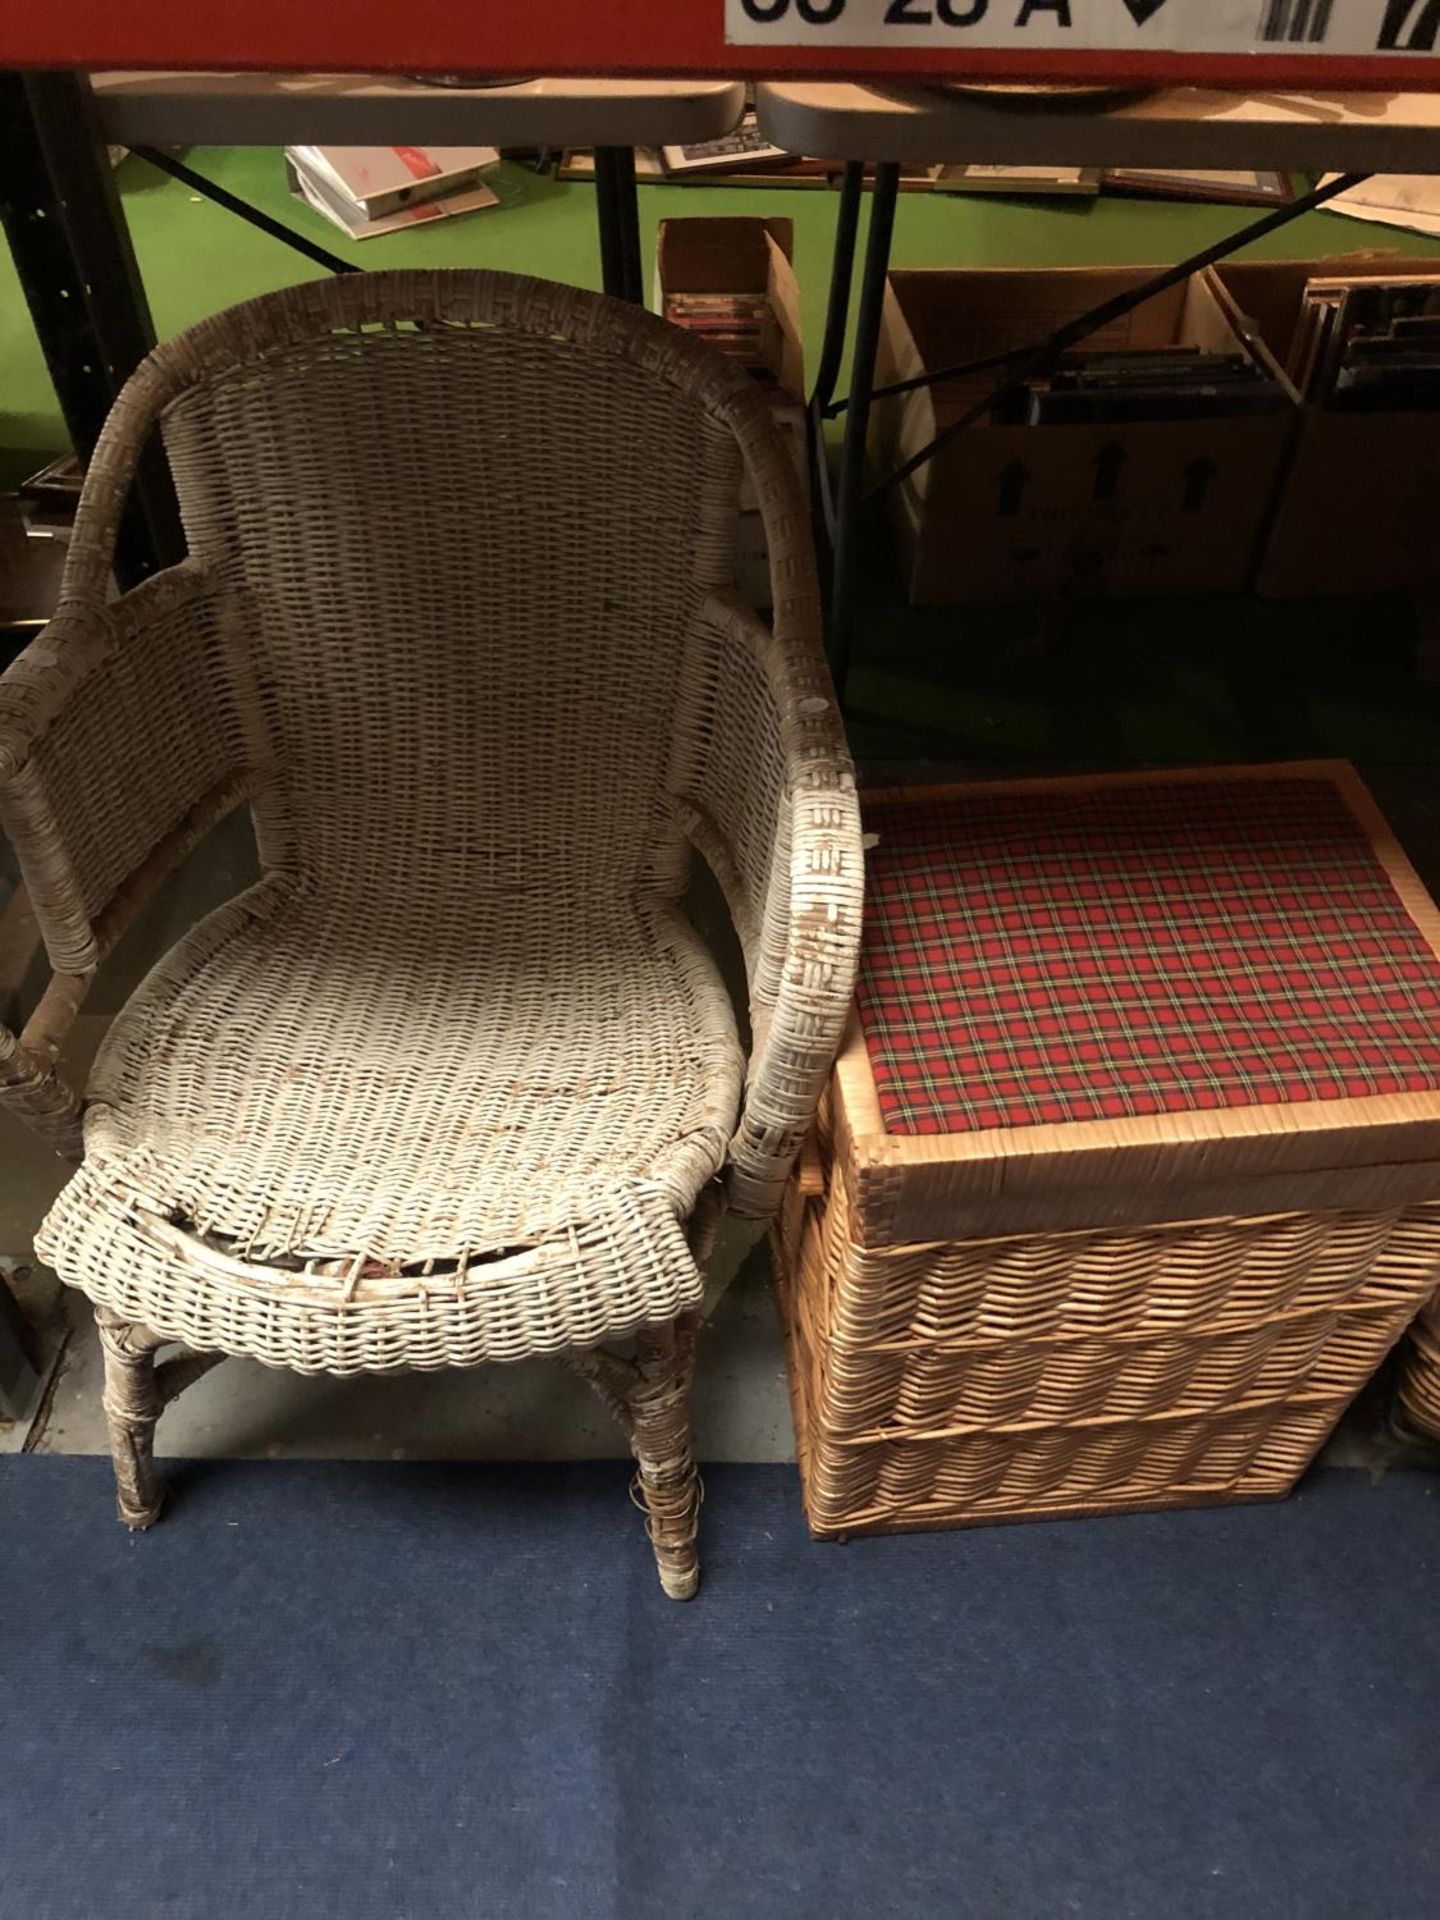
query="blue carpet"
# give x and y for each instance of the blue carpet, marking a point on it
(432, 1693)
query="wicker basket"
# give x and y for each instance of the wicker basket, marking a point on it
(1417, 1397)
(1126, 1181)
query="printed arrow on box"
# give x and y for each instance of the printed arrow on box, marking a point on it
(1012, 483)
(1142, 12)
(1198, 476)
(1109, 464)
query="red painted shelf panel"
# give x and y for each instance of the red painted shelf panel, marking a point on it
(621, 37)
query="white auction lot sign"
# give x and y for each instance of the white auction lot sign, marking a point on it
(1341, 27)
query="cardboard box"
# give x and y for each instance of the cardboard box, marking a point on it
(1357, 512)
(747, 256)
(1006, 512)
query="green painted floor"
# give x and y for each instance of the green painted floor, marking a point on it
(1119, 681)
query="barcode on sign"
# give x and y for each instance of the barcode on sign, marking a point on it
(1306, 21)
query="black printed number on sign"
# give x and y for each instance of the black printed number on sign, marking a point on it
(901, 13)
(816, 13)
(971, 13)
(1304, 27)
(950, 13)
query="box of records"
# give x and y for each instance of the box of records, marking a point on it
(1144, 461)
(730, 281)
(1360, 338)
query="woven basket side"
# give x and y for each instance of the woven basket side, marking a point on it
(1418, 1392)
(1198, 1361)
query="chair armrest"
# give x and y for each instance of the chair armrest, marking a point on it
(31, 1085)
(120, 746)
(766, 792)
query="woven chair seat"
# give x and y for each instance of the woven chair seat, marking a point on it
(413, 1140)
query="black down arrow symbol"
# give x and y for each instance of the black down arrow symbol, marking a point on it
(1142, 12)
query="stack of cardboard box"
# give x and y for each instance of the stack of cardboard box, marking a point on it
(1144, 464)
(1356, 513)
(732, 282)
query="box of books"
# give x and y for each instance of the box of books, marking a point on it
(1144, 460)
(359, 226)
(369, 191)
(731, 282)
(381, 180)
(1359, 336)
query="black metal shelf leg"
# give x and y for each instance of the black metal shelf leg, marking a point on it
(832, 352)
(842, 277)
(618, 205)
(857, 421)
(71, 246)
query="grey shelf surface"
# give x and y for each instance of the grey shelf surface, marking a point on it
(1177, 127)
(356, 109)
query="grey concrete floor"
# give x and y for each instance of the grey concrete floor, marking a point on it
(243, 1410)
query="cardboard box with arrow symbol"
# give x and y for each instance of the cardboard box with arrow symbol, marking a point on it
(1331, 535)
(1153, 471)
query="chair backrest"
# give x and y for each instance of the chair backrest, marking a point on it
(464, 522)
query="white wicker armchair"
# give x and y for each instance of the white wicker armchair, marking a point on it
(456, 1080)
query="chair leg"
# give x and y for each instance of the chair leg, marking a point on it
(668, 1483)
(133, 1402)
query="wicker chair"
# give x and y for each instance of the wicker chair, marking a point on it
(456, 1081)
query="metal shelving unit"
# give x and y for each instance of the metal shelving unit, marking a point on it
(72, 248)
(1355, 133)
(275, 71)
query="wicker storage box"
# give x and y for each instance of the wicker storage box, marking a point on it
(1417, 1398)
(1126, 1178)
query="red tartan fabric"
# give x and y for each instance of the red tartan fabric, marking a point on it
(1043, 957)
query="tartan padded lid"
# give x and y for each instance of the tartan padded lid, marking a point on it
(1086, 951)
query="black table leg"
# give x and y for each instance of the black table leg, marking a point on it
(618, 204)
(72, 252)
(832, 352)
(842, 276)
(857, 420)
